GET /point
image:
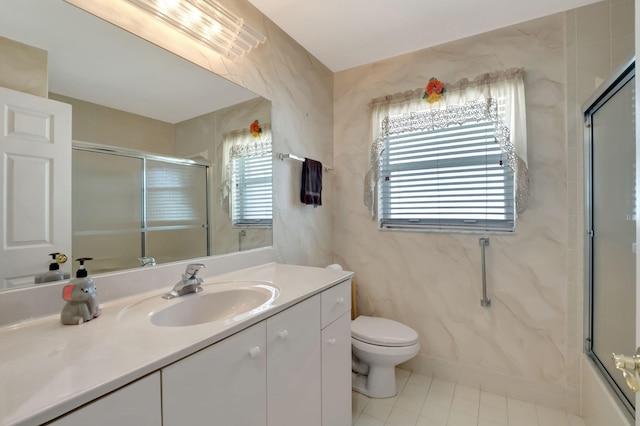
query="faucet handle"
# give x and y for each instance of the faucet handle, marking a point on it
(192, 269)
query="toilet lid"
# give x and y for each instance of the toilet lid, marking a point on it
(382, 332)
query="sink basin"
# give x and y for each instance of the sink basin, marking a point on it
(229, 301)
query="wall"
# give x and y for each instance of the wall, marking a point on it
(528, 344)
(432, 281)
(204, 135)
(107, 126)
(23, 68)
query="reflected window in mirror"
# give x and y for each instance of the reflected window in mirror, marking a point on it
(248, 177)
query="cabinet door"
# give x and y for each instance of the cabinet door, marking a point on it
(336, 372)
(293, 366)
(224, 384)
(134, 404)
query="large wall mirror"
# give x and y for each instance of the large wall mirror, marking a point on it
(142, 120)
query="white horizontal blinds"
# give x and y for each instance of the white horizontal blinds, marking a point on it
(176, 194)
(448, 179)
(252, 190)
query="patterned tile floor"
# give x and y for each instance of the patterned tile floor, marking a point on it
(423, 401)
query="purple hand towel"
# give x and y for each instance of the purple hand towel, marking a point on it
(311, 189)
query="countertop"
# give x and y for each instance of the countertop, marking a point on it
(48, 369)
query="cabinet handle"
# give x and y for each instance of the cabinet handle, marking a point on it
(283, 334)
(331, 341)
(340, 300)
(255, 352)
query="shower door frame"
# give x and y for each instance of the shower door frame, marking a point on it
(144, 157)
(606, 91)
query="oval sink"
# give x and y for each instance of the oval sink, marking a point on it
(217, 306)
(232, 301)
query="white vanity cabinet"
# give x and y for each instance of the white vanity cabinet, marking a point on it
(292, 369)
(336, 355)
(135, 404)
(223, 384)
(293, 366)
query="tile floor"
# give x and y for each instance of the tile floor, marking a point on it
(423, 401)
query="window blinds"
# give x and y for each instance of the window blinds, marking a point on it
(454, 178)
(252, 194)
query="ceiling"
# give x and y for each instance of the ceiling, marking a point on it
(95, 61)
(344, 34)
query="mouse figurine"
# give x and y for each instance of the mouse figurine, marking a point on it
(80, 295)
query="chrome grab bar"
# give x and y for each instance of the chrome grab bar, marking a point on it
(485, 302)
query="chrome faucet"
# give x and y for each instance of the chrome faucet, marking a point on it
(147, 261)
(190, 282)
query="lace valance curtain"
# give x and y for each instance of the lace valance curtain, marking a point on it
(241, 144)
(497, 97)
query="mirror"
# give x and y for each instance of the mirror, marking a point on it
(126, 92)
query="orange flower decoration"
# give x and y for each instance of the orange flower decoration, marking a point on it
(434, 90)
(255, 128)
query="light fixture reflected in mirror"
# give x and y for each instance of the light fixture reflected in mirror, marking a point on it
(207, 22)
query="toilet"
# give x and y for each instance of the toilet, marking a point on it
(378, 345)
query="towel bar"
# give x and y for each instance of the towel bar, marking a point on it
(283, 157)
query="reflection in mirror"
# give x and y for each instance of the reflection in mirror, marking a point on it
(127, 93)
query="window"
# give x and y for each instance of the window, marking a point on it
(459, 164)
(176, 193)
(246, 185)
(252, 191)
(454, 178)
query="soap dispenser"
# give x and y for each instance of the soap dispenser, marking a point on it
(54, 273)
(80, 295)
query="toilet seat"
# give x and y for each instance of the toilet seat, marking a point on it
(382, 332)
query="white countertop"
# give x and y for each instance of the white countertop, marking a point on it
(48, 369)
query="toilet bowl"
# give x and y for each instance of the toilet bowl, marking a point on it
(378, 345)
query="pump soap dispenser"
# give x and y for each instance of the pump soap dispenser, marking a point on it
(80, 295)
(54, 273)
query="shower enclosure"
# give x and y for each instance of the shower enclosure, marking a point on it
(129, 205)
(611, 227)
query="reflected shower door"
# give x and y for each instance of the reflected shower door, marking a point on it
(107, 210)
(128, 205)
(176, 204)
(612, 231)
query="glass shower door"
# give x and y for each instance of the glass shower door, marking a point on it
(128, 205)
(176, 211)
(612, 231)
(107, 210)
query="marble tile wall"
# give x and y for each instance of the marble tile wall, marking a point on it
(432, 281)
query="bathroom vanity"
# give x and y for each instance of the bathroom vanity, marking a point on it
(283, 362)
